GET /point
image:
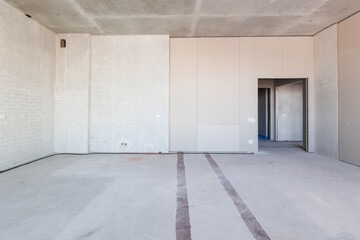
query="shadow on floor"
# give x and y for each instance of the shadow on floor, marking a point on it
(285, 144)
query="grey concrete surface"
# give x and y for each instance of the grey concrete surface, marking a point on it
(280, 144)
(90, 197)
(289, 112)
(184, 18)
(293, 195)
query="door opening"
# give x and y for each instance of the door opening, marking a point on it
(264, 113)
(282, 113)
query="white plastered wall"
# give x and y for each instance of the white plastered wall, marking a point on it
(277, 57)
(27, 75)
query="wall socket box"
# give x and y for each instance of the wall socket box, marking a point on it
(2, 117)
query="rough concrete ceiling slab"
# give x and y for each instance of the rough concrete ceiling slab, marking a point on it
(188, 18)
(165, 25)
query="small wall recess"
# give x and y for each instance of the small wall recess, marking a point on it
(28, 15)
(62, 43)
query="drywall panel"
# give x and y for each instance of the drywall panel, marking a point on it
(289, 112)
(348, 34)
(218, 138)
(218, 94)
(27, 75)
(298, 57)
(257, 58)
(248, 82)
(130, 94)
(261, 50)
(326, 93)
(183, 94)
(349, 85)
(72, 94)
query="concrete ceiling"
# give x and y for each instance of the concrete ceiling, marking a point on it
(189, 18)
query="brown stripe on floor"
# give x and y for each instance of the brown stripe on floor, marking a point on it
(253, 225)
(183, 228)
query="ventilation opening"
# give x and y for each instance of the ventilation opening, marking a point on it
(62, 43)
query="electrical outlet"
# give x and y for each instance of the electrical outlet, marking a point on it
(2, 117)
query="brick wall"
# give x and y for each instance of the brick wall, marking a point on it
(72, 94)
(130, 94)
(27, 73)
(129, 82)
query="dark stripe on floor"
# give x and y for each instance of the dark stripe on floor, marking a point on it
(183, 228)
(253, 225)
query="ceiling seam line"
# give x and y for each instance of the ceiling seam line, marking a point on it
(82, 12)
(195, 21)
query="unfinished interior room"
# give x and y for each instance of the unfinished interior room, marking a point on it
(179, 119)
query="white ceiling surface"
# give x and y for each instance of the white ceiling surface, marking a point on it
(189, 18)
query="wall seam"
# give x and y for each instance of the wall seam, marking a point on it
(89, 93)
(239, 80)
(197, 94)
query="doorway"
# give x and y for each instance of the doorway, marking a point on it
(264, 113)
(282, 113)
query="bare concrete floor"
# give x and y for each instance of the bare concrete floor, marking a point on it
(294, 195)
(281, 144)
